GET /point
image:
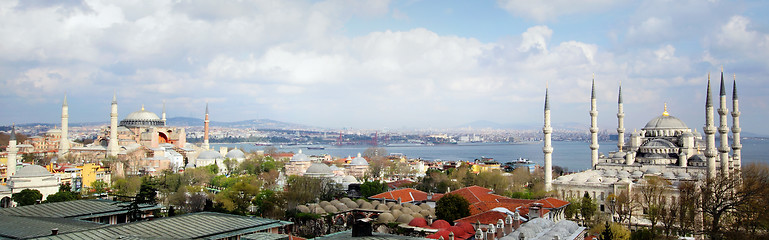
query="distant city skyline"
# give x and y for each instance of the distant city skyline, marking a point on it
(383, 64)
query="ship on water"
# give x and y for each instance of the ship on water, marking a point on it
(520, 162)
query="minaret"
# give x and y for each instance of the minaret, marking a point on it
(548, 148)
(113, 145)
(737, 155)
(593, 128)
(64, 141)
(12, 150)
(723, 129)
(164, 113)
(620, 121)
(205, 130)
(710, 138)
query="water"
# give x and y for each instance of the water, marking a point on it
(572, 155)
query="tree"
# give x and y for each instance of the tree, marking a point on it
(624, 206)
(573, 208)
(62, 196)
(452, 207)
(587, 208)
(611, 231)
(230, 164)
(27, 197)
(723, 195)
(270, 150)
(651, 194)
(687, 209)
(99, 187)
(270, 204)
(368, 189)
(237, 198)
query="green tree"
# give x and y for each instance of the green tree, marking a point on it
(27, 197)
(270, 204)
(62, 196)
(587, 207)
(573, 208)
(371, 188)
(611, 230)
(452, 207)
(237, 198)
(230, 164)
(213, 169)
(99, 187)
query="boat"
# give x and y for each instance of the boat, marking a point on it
(520, 162)
(316, 148)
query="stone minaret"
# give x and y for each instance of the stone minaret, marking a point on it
(113, 146)
(12, 150)
(593, 128)
(723, 129)
(710, 137)
(205, 130)
(548, 148)
(64, 141)
(737, 155)
(620, 121)
(164, 113)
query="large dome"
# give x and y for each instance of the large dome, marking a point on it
(142, 118)
(300, 157)
(235, 154)
(318, 169)
(32, 171)
(359, 161)
(665, 122)
(209, 154)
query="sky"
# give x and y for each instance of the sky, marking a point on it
(380, 64)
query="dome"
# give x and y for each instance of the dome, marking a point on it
(318, 169)
(142, 118)
(668, 175)
(385, 218)
(32, 171)
(235, 154)
(359, 161)
(350, 179)
(53, 131)
(665, 122)
(684, 176)
(300, 157)
(209, 154)
(652, 170)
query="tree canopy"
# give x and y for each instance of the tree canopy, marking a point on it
(27, 197)
(452, 207)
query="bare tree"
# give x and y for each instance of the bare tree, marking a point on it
(651, 192)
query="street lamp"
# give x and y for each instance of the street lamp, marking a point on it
(613, 208)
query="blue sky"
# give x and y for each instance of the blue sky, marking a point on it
(381, 64)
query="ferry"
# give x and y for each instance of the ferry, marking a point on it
(520, 162)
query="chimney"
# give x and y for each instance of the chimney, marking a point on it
(479, 233)
(500, 228)
(361, 226)
(508, 225)
(429, 220)
(516, 220)
(451, 235)
(490, 233)
(400, 200)
(521, 237)
(55, 231)
(556, 238)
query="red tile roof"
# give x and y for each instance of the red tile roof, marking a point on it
(406, 195)
(486, 206)
(475, 194)
(488, 217)
(399, 183)
(552, 203)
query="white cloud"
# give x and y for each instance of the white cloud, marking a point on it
(536, 38)
(552, 9)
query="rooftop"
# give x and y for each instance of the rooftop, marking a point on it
(78, 209)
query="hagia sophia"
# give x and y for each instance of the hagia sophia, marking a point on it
(665, 147)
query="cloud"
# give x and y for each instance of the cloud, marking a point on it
(543, 11)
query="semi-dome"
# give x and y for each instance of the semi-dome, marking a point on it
(209, 154)
(359, 161)
(665, 122)
(32, 171)
(235, 154)
(141, 118)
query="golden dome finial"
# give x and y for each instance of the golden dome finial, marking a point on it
(142, 107)
(665, 113)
